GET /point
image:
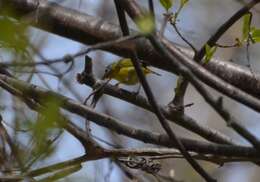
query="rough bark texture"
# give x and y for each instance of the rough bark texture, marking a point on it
(90, 30)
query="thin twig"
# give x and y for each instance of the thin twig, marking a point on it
(37, 93)
(149, 94)
(171, 113)
(14, 148)
(183, 38)
(70, 58)
(223, 28)
(96, 30)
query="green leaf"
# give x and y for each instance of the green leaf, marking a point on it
(167, 4)
(146, 24)
(238, 42)
(13, 34)
(255, 35)
(209, 53)
(183, 2)
(46, 126)
(246, 26)
(178, 85)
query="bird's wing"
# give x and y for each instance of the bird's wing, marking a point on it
(127, 75)
(125, 63)
(132, 76)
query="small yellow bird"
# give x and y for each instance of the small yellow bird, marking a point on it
(124, 72)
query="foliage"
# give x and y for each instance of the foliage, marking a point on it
(157, 50)
(146, 24)
(13, 35)
(209, 53)
(46, 128)
(167, 4)
(250, 33)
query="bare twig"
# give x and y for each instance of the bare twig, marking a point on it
(223, 28)
(149, 94)
(13, 147)
(37, 93)
(95, 30)
(171, 113)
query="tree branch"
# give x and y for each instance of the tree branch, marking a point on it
(192, 70)
(164, 123)
(172, 114)
(37, 93)
(90, 30)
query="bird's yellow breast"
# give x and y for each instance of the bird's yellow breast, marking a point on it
(128, 76)
(124, 72)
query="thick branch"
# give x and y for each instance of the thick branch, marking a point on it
(37, 93)
(90, 30)
(191, 70)
(147, 89)
(171, 114)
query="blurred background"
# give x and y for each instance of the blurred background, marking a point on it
(197, 22)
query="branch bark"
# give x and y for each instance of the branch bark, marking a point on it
(173, 115)
(38, 93)
(90, 30)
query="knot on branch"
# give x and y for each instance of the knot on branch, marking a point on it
(173, 109)
(87, 75)
(68, 58)
(220, 102)
(145, 164)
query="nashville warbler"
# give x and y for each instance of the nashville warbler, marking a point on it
(124, 72)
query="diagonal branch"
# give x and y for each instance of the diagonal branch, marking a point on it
(192, 70)
(14, 148)
(90, 30)
(223, 28)
(189, 75)
(171, 114)
(218, 106)
(38, 93)
(196, 166)
(90, 146)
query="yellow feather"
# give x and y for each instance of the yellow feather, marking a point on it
(124, 72)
